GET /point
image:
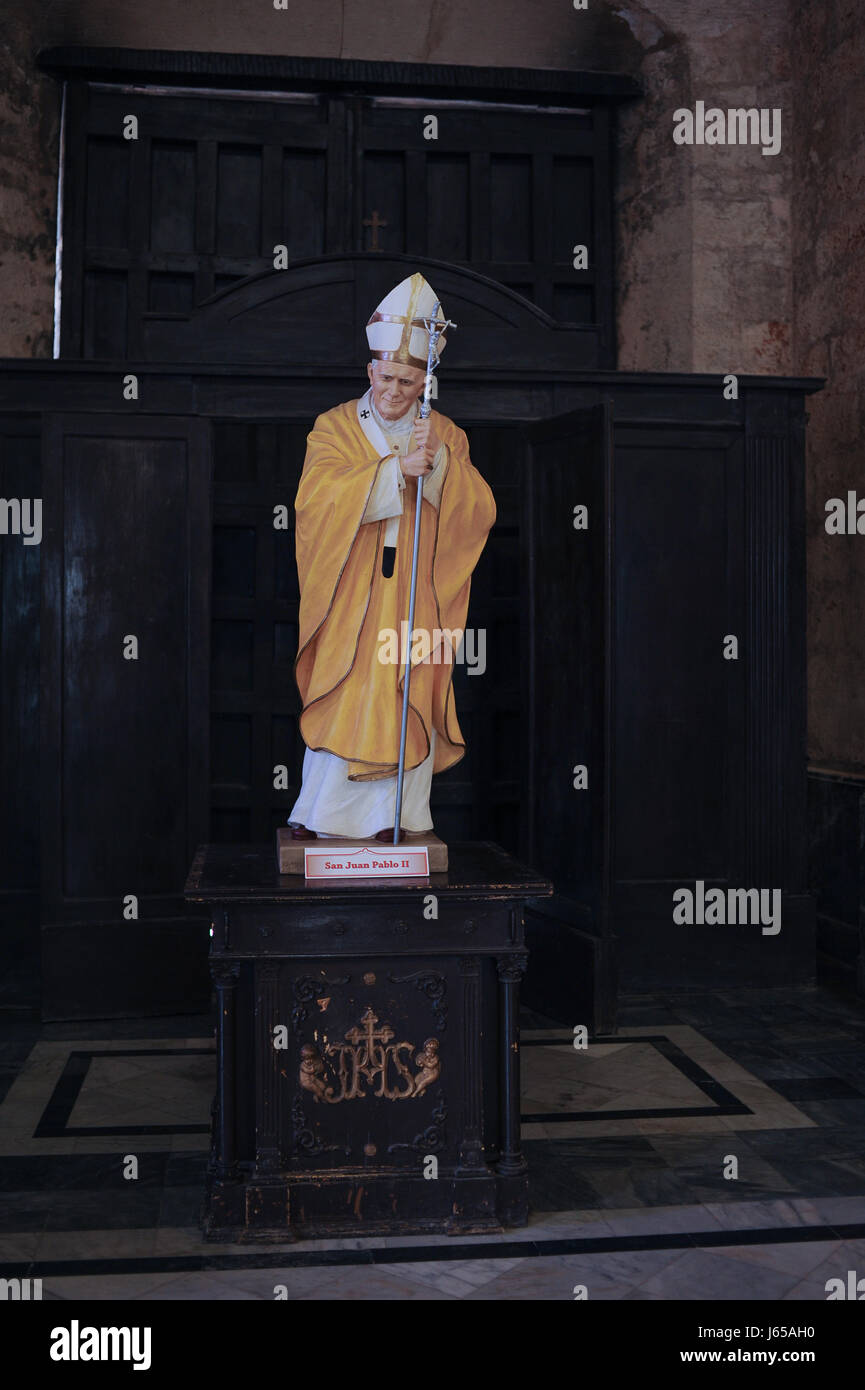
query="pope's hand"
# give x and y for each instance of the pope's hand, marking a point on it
(422, 457)
(425, 437)
(418, 463)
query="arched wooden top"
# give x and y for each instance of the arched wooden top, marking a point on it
(315, 312)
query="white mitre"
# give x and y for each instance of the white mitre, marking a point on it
(397, 331)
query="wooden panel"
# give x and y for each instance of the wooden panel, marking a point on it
(231, 655)
(125, 725)
(503, 215)
(448, 213)
(384, 194)
(234, 455)
(572, 211)
(672, 734)
(315, 314)
(195, 204)
(511, 208)
(238, 200)
(569, 604)
(254, 699)
(125, 757)
(105, 313)
(144, 970)
(107, 198)
(170, 294)
(717, 732)
(303, 202)
(233, 561)
(212, 184)
(172, 195)
(20, 478)
(573, 303)
(231, 752)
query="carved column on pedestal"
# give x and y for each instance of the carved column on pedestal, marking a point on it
(511, 970)
(225, 975)
(267, 1158)
(471, 1148)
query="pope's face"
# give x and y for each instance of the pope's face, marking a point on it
(394, 387)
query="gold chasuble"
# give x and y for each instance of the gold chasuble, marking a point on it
(350, 614)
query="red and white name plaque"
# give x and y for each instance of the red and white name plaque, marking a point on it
(362, 862)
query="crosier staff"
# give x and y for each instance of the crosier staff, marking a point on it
(434, 327)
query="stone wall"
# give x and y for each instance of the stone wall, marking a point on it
(829, 286)
(704, 249)
(29, 134)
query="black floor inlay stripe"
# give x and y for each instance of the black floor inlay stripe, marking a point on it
(816, 1088)
(568, 1116)
(493, 1249)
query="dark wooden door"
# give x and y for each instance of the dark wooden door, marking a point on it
(509, 192)
(198, 200)
(682, 786)
(569, 606)
(255, 705)
(20, 478)
(125, 558)
(214, 188)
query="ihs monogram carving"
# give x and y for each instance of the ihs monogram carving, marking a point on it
(369, 1055)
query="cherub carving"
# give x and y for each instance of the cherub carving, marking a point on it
(313, 1076)
(430, 1066)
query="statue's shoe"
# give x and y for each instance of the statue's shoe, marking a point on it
(386, 836)
(300, 832)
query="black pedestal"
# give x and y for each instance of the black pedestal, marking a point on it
(368, 1047)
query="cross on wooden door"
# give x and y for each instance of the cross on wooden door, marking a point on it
(375, 222)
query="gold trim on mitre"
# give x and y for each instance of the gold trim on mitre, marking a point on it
(419, 298)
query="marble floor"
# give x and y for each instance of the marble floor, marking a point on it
(713, 1148)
